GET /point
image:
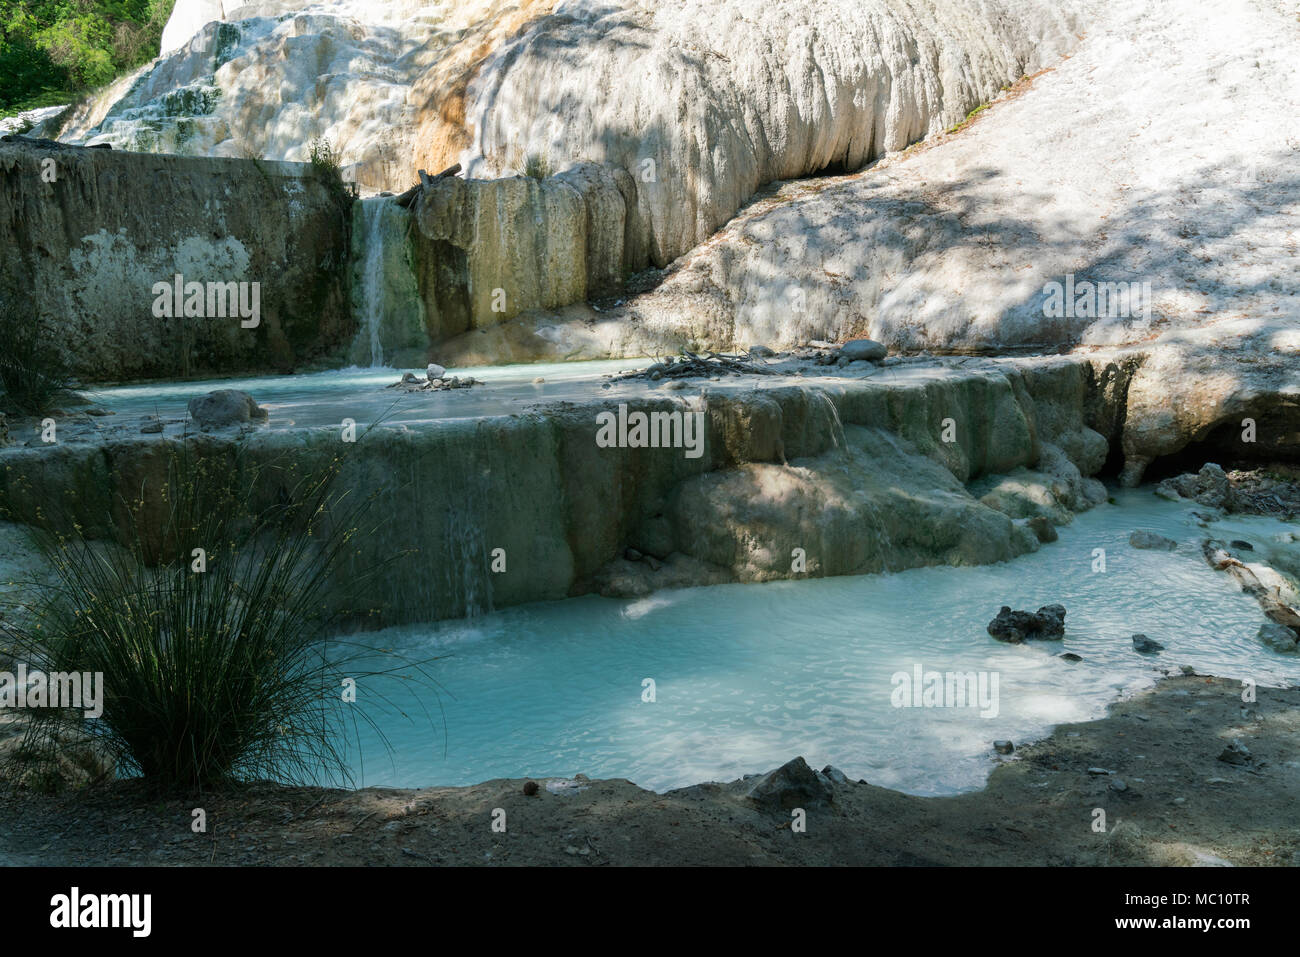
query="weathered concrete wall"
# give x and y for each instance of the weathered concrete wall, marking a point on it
(863, 475)
(86, 233)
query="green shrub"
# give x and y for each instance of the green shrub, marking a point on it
(325, 158)
(50, 50)
(215, 675)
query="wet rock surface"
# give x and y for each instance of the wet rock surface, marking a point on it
(225, 407)
(1046, 624)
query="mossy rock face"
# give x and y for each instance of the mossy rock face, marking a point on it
(140, 220)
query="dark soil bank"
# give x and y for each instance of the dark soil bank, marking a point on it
(1170, 797)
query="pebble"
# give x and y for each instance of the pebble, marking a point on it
(1235, 753)
(1099, 771)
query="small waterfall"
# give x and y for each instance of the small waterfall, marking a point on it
(468, 572)
(837, 427)
(372, 278)
(386, 299)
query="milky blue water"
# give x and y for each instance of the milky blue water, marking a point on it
(325, 398)
(748, 676)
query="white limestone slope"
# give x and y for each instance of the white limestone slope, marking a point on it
(705, 102)
(1166, 149)
(702, 102)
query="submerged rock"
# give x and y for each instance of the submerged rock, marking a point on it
(1046, 624)
(1147, 539)
(1003, 747)
(1145, 646)
(225, 407)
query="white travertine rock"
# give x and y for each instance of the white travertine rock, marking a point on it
(188, 17)
(701, 103)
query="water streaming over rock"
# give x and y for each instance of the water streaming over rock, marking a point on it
(372, 280)
(386, 298)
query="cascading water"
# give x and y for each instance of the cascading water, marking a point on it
(386, 298)
(372, 279)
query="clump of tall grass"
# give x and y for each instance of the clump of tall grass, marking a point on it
(322, 155)
(33, 371)
(210, 622)
(538, 165)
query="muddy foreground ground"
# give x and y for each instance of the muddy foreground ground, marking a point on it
(1170, 800)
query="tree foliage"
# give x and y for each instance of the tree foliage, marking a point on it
(53, 50)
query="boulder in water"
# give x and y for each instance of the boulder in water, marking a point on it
(1145, 646)
(225, 407)
(1146, 539)
(1046, 624)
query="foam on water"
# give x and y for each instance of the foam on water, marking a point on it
(748, 676)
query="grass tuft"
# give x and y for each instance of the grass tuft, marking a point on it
(217, 665)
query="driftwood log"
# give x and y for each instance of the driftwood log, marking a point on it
(407, 198)
(690, 365)
(1220, 559)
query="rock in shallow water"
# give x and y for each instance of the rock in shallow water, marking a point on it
(1145, 646)
(1279, 637)
(1147, 539)
(225, 407)
(1046, 624)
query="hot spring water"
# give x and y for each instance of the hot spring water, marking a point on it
(747, 676)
